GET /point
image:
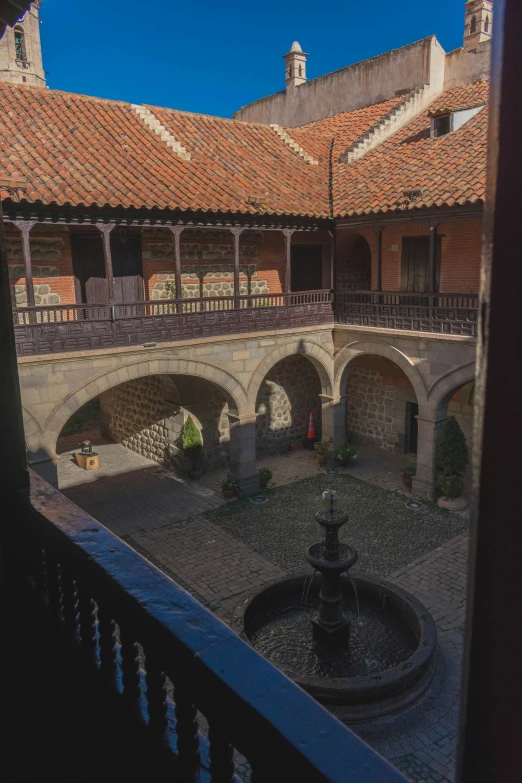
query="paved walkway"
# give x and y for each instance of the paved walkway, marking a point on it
(218, 550)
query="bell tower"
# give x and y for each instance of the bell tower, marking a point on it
(295, 66)
(20, 51)
(478, 23)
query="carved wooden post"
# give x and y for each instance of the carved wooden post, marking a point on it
(236, 233)
(287, 233)
(176, 232)
(378, 234)
(106, 229)
(25, 227)
(433, 257)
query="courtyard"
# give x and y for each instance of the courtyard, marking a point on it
(219, 550)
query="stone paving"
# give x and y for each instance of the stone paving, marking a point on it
(219, 550)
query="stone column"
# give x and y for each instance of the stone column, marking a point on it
(333, 418)
(242, 453)
(429, 430)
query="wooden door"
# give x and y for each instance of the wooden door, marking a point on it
(127, 268)
(89, 268)
(415, 277)
(307, 268)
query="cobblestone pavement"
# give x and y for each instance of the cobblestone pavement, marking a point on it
(218, 550)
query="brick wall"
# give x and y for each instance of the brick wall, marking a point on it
(50, 252)
(266, 250)
(461, 245)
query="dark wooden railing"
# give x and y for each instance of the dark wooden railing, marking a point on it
(63, 328)
(443, 313)
(201, 697)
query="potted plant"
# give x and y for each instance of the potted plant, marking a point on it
(345, 454)
(407, 474)
(322, 453)
(451, 460)
(192, 446)
(229, 488)
(265, 474)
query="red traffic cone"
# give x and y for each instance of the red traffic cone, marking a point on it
(310, 438)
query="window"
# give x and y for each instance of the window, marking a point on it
(440, 125)
(19, 38)
(473, 25)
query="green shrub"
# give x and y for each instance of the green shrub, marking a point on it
(265, 474)
(191, 442)
(323, 448)
(451, 451)
(449, 485)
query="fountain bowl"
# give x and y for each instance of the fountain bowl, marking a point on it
(365, 696)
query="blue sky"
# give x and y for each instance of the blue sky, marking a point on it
(213, 57)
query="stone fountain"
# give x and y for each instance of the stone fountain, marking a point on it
(358, 644)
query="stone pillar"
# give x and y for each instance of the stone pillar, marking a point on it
(429, 430)
(333, 418)
(242, 452)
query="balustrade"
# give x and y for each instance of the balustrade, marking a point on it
(137, 632)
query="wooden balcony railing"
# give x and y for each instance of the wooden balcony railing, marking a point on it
(208, 707)
(440, 313)
(64, 328)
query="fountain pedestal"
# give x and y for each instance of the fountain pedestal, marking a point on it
(331, 559)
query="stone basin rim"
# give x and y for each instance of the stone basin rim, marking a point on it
(363, 689)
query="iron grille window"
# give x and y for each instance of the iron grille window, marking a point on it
(441, 125)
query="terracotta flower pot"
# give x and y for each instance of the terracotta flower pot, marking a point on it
(322, 459)
(408, 483)
(228, 493)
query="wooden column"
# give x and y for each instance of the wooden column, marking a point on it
(236, 233)
(25, 227)
(379, 233)
(287, 233)
(176, 232)
(13, 463)
(433, 257)
(106, 229)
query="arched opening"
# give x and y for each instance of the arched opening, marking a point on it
(146, 416)
(459, 403)
(473, 25)
(381, 405)
(286, 396)
(486, 25)
(354, 263)
(19, 41)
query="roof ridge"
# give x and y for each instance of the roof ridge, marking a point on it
(293, 145)
(151, 121)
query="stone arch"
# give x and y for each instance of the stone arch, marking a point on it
(33, 431)
(232, 389)
(345, 357)
(318, 356)
(442, 390)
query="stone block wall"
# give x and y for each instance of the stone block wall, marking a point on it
(376, 395)
(137, 415)
(53, 277)
(147, 414)
(287, 395)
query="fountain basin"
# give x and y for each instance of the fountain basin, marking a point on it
(316, 556)
(385, 667)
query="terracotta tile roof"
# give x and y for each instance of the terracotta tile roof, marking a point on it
(451, 169)
(75, 150)
(78, 150)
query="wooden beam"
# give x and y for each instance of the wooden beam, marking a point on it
(176, 232)
(287, 233)
(387, 219)
(106, 229)
(236, 233)
(25, 227)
